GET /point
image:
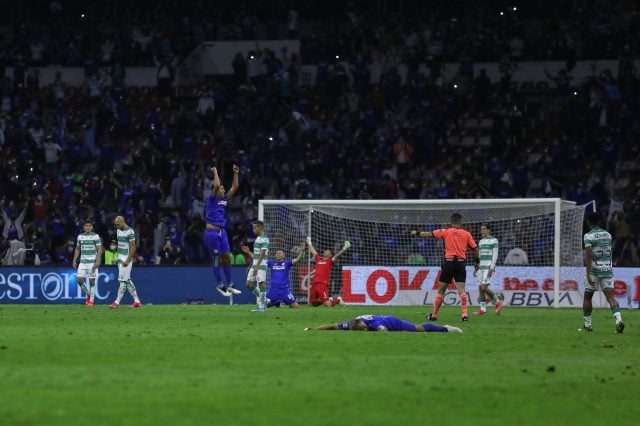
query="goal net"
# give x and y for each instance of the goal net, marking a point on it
(540, 244)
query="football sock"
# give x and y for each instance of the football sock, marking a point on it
(255, 290)
(616, 314)
(218, 275)
(587, 319)
(464, 301)
(428, 327)
(84, 288)
(92, 290)
(496, 299)
(262, 300)
(483, 306)
(334, 301)
(132, 291)
(227, 274)
(121, 290)
(437, 303)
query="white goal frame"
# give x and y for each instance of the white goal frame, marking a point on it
(557, 204)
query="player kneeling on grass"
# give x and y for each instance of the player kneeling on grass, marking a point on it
(319, 295)
(386, 323)
(279, 290)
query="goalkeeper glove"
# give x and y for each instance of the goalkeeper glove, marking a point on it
(347, 244)
(309, 240)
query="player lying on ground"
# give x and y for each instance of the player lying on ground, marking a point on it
(385, 323)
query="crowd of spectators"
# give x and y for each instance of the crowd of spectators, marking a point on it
(68, 153)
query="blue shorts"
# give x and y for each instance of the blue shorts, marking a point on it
(276, 297)
(396, 324)
(216, 241)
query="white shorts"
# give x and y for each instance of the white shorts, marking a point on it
(124, 272)
(262, 276)
(483, 276)
(85, 271)
(599, 283)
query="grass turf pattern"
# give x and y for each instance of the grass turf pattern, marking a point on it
(224, 365)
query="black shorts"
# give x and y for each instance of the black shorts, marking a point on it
(453, 270)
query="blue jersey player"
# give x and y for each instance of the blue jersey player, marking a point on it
(385, 323)
(215, 237)
(279, 291)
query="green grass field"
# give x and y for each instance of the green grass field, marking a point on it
(197, 365)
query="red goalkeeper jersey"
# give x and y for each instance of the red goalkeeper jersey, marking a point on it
(323, 270)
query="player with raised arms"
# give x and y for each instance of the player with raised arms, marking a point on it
(215, 236)
(279, 290)
(319, 295)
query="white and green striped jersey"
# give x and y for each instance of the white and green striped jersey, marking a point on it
(600, 242)
(124, 236)
(262, 242)
(89, 245)
(488, 248)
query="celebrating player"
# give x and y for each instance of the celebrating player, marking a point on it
(89, 250)
(215, 236)
(456, 240)
(279, 291)
(320, 284)
(126, 250)
(385, 323)
(258, 269)
(488, 248)
(597, 243)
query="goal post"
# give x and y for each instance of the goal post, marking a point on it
(548, 230)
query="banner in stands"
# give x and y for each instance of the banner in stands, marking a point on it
(521, 286)
(155, 284)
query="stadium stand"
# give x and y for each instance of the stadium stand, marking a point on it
(68, 152)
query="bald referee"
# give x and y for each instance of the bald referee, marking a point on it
(456, 241)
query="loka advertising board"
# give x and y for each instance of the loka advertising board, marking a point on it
(521, 286)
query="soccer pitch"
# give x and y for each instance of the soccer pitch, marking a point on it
(203, 365)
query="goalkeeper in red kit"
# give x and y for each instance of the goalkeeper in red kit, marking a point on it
(319, 295)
